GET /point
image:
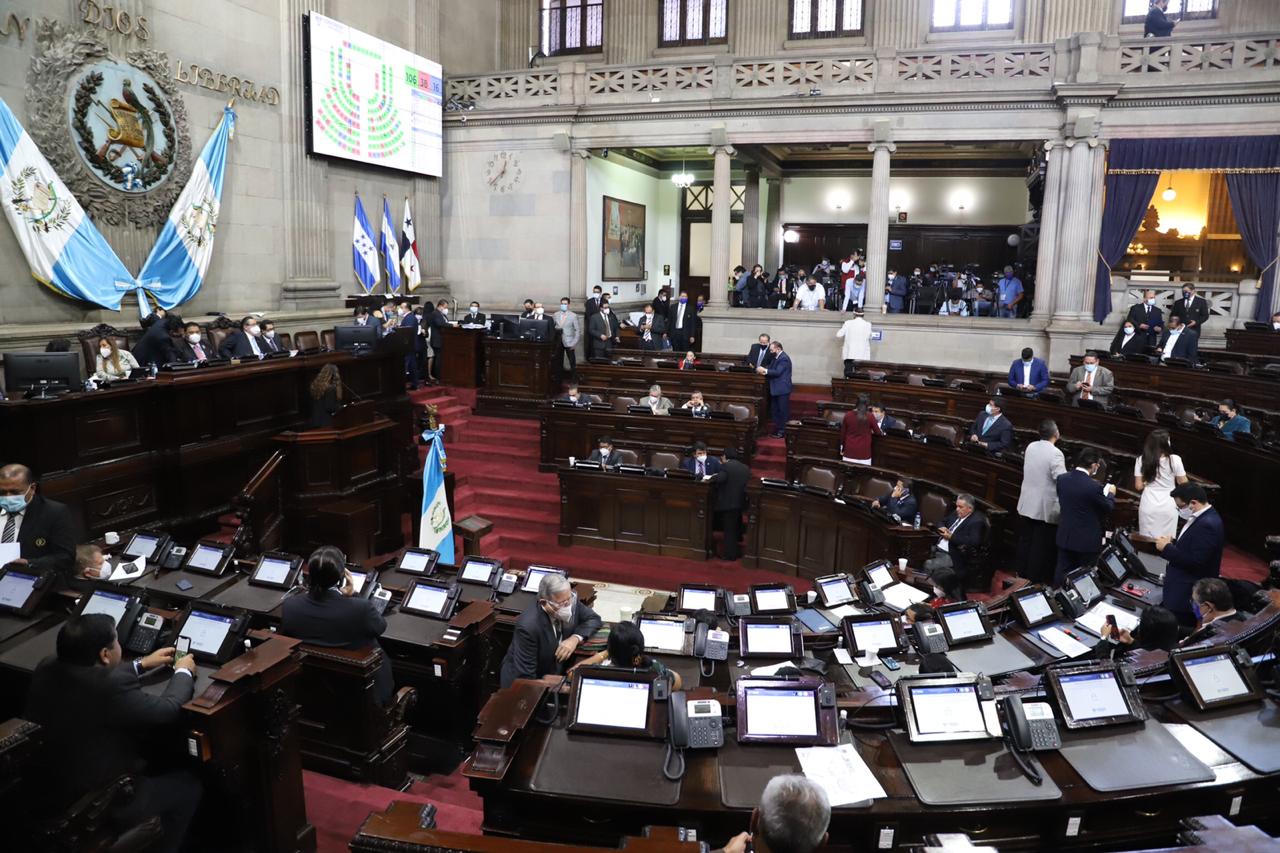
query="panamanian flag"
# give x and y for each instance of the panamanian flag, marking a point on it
(409, 250)
(176, 266)
(364, 252)
(390, 253)
(436, 531)
(63, 248)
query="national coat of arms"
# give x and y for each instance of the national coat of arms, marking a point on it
(123, 126)
(197, 225)
(35, 197)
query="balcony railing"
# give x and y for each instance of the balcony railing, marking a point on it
(1026, 68)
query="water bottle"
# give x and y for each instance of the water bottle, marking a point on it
(916, 524)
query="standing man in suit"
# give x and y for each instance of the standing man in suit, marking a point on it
(1179, 341)
(779, 373)
(593, 303)
(406, 319)
(548, 632)
(731, 499)
(991, 428)
(700, 464)
(1090, 381)
(1193, 310)
(1042, 465)
(662, 303)
(960, 533)
(570, 333)
(1158, 23)
(1030, 375)
(683, 324)
(155, 346)
(1085, 505)
(328, 615)
(243, 343)
(653, 330)
(1196, 552)
(759, 355)
(1147, 318)
(44, 530)
(98, 723)
(900, 501)
(434, 335)
(193, 349)
(603, 332)
(897, 292)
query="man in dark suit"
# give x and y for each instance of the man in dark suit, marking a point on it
(1147, 318)
(410, 320)
(897, 292)
(548, 632)
(779, 372)
(700, 464)
(434, 337)
(961, 532)
(244, 343)
(1030, 375)
(527, 309)
(268, 342)
(991, 428)
(604, 454)
(44, 530)
(574, 397)
(885, 420)
(662, 303)
(98, 722)
(475, 317)
(1179, 341)
(1196, 552)
(731, 499)
(593, 304)
(603, 332)
(1158, 23)
(155, 346)
(1084, 505)
(900, 501)
(193, 348)
(684, 326)
(329, 615)
(652, 330)
(759, 354)
(1192, 309)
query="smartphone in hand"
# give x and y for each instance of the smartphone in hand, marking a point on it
(183, 646)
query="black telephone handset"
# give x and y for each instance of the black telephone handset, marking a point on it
(1038, 734)
(507, 583)
(930, 638)
(710, 647)
(679, 721)
(1070, 603)
(172, 558)
(695, 724)
(869, 594)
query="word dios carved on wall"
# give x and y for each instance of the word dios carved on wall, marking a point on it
(14, 25)
(114, 20)
(215, 81)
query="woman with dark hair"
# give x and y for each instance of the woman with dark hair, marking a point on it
(626, 649)
(326, 396)
(855, 433)
(1157, 630)
(330, 615)
(1155, 474)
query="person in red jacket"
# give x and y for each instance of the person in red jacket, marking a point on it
(855, 433)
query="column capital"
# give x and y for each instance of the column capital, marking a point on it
(581, 153)
(882, 146)
(717, 149)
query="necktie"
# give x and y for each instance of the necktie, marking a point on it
(987, 425)
(701, 469)
(10, 528)
(199, 351)
(955, 524)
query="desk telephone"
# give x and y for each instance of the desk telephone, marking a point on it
(695, 723)
(508, 583)
(1036, 731)
(930, 638)
(144, 636)
(869, 593)
(1070, 603)
(708, 643)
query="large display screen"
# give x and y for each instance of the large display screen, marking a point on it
(947, 710)
(371, 101)
(1093, 695)
(782, 712)
(621, 704)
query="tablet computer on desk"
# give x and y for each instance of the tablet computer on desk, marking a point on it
(799, 711)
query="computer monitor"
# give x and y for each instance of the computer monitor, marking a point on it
(965, 622)
(879, 574)
(505, 325)
(355, 338)
(943, 709)
(834, 590)
(538, 329)
(770, 636)
(872, 633)
(609, 700)
(534, 574)
(1081, 580)
(1094, 695)
(663, 634)
(1034, 607)
(772, 598)
(41, 372)
(418, 561)
(694, 598)
(430, 598)
(1216, 676)
(786, 711)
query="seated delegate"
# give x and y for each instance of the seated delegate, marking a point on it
(700, 464)
(1229, 421)
(792, 817)
(548, 632)
(961, 531)
(626, 649)
(697, 406)
(112, 363)
(900, 501)
(44, 530)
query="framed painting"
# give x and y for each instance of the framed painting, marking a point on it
(622, 255)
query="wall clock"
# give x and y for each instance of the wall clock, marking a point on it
(503, 172)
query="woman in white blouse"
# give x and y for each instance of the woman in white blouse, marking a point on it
(113, 362)
(1155, 474)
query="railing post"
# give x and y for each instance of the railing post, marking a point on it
(886, 70)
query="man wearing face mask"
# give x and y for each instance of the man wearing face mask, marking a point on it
(810, 297)
(1011, 293)
(193, 348)
(683, 323)
(896, 290)
(527, 311)
(474, 317)
(1179, 341)
(41, 531)
(548, 632)
(700, 464)
(1192, 309)
(570, 333)
(1091, 381)
(1084, 506)
(435, 339)
(269, 343)
(604, 332)
(1211, 602)
(406, 319)
(657, 403)
(593, 303)
(1129, 340)
(245, 343)
(603, 455)
(1147, 319)
(652, 330)
(1030, 375)
(1275, 322)
(991, 429)
(1196, 552)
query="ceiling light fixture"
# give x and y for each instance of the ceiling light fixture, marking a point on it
(1170, 193)
(682, 178)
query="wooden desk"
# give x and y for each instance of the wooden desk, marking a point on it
(1247, 340)
(621, 379)
(462, 357)
(1253, 392)
(569, 432)
(632, 512)
(518, 375)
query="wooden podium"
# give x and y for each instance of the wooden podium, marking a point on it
(462, 357)
(342, 485)
(518, 375)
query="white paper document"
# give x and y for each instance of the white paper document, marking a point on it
(1069, 646)
(843, 610)
(900, 596)
(841, 772)
(10, 551)
(128, 571)
(771, 669)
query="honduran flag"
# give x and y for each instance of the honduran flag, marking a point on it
(63, 248)
(390, 249)
(436, 531)
(364, 252)
(176, 266)
(409, 250)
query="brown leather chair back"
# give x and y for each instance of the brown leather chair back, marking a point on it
(307, 340)
(217, 336)
(594, 398)
(286, 340)
(833, 416)
(1233, 367)
(664, 460)
(823, 478)
(625, 456)
(875, 487)
(946, 432)
(621, 404)
(1053, 395)
(877, 375)
(1149, 408)
(917, 378)
(329, 338)
(933, 507)
(739, 411)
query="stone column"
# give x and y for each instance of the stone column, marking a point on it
(1050, 216)
(629, 27)
(751, 219)
(773, 226)
(578, 222)
(878, 225)
(721, 204)
(1077, 235)
(309, 279)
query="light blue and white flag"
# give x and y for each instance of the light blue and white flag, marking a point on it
(364, 253)
(436, 531)
(176, 266)
(390, 249)
(61, 244)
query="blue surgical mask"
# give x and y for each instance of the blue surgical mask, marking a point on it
(1090, 368)
(13, 503)
(683, 300)
(564, 306)
(1151, 302)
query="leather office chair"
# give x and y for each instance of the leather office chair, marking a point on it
(307, 340)
(625, 456)
(917, 379)
(1234, 368)
(86, 824)
(822, 478)
(329, 339)
(933, 507)
(942, 432)
(286, 341)
(217, 336)
(1053, 395)
(664, 460)
(833, 416)
(594, 399)
(621, 404)
(1148, 408)
(875, 487)
(739, 411)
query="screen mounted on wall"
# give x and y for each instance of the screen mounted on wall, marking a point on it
(370, 101)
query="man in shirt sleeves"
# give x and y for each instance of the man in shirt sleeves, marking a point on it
(548, 632)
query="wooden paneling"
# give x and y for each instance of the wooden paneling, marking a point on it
(632, 512)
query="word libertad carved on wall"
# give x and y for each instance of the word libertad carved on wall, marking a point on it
(207, 78)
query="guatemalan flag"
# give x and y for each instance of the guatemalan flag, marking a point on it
(390, 249)
(436, 531)
(409, 250)
(364, 252)
(63, 248)
(176, 266)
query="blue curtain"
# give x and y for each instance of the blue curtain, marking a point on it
(1255, 200)
(1127, 200)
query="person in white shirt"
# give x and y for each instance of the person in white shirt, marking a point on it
(810, 297)
(954, 308)
(856, 334)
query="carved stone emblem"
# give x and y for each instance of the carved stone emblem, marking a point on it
(123, 126)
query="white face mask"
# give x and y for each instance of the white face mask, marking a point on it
(271, 334)
(444, 312)
(1151, 302)
(195, 339)
(604, 310)
(1185, 512)
(1276, 326)
(989, 410)
(106, 351)
(475, 309)
(655, 397)
(701, 457)
(537, 312)
(254, 330)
